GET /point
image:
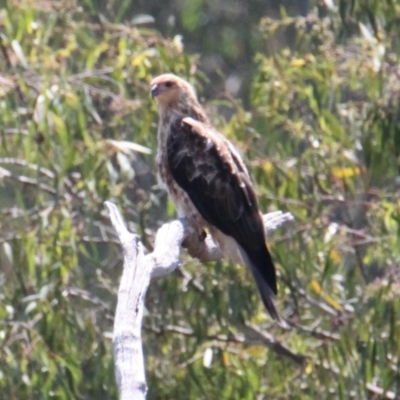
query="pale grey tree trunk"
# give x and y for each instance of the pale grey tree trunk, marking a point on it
(138, 270)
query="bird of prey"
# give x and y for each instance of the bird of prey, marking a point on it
(209, 183)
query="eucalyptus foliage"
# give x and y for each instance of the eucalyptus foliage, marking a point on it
(321, 136)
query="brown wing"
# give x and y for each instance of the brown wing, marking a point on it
(202, 165)
(208, 169)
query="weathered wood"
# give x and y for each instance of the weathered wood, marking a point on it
(139, 268)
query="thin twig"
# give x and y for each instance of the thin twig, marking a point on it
(5, 173)
(317, 333)
(26, 164)
(250, 336)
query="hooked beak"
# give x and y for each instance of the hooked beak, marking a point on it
(155, 91)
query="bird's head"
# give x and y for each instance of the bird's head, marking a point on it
(169, 90)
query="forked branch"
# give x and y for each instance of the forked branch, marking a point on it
(139, 268)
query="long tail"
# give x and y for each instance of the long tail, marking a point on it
(262, 268)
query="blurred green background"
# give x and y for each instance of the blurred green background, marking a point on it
(308, 90)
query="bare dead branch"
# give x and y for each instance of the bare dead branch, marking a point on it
(139, 268)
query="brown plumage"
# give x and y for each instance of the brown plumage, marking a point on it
(209, 183)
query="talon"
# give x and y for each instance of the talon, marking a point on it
(202, 236)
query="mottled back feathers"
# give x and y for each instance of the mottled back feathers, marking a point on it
(204, 166)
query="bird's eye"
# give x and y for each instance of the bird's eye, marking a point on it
(168, 84)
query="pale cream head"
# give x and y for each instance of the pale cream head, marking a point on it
(169, 90)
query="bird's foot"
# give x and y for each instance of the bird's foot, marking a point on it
(202, 235)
